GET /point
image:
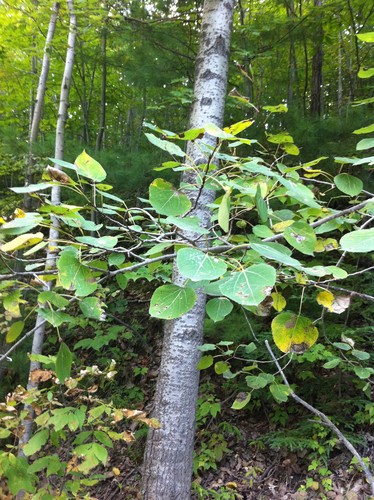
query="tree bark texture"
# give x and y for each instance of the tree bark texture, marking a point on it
(38, 338)
(169, 451)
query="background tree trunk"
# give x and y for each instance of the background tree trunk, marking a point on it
(317, 65)
(100, 135)
(169, 450)
(39, 101)
(38, 337)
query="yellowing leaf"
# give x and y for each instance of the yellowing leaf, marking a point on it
(22, 241)
(293, 333)
(279, 227)
(325, 245)
(116, 471)
(326, 299)
(279, 302)
(18, 213)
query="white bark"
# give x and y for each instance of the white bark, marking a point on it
(37, 106)
(169, 450)
(38, 338)
(39, 101)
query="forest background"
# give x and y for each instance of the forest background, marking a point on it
(298, 67)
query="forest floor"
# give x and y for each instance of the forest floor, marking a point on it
(250, 473)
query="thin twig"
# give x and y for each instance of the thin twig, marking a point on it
(325, 420)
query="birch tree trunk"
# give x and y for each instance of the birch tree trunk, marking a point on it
(316, 98)
(169, 450)
(102, 120)
(38, 337)
(39, 101)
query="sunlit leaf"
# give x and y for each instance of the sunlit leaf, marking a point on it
(197, 265)
(86, 166)
(23, 241)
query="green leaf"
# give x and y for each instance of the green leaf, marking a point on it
(260, 381)
(281, 138)
(221, 367)
(364, 130)
(197, 265)
(92, 307)
(366, 73)
(291, 149)
(11, 303)
(37, 441)
(365, 144)
(107, 242)
(171, 301)
(187, 224)
(251, 286)
(363, 373)
(332, 364)
(361, 355)
(86, 166)
(262, 231)
(292, 332)
(56, 318)
(366, 37)
(14, 331)
(19, 478)
(361, 241)
(280, 392)
(348, 184)
(207, 347)
(218, 309)
(205, 362)
(31, 188)
(301, 193)
(116, 259)
(122, 281)
(167, 146)
(100, 452)
(167, 200)
(242, 399)
(52, 297)
(261, 205)
(63, 362)
(224, 212)
(73, 275)
(103, 438)
(280, 108)
(301, 236)
(271, 252)
(342, 345)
